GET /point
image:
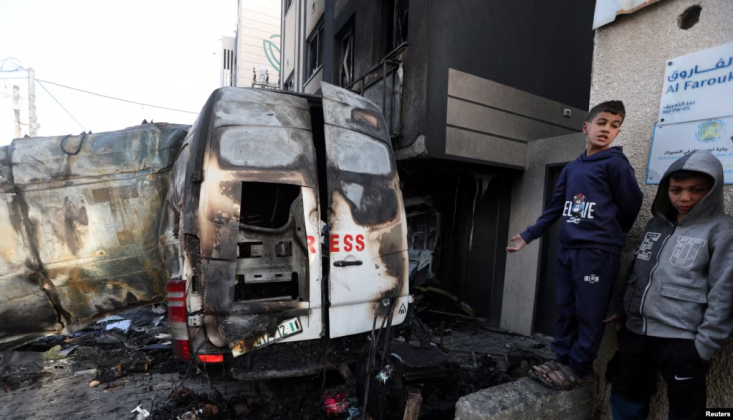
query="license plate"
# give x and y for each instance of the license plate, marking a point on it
(284, 330)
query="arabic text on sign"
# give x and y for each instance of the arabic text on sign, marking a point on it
(684, 74)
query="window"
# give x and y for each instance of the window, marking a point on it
(315, 53)
(399, 30)
(290, 84)
(346, 58)
(357, 153)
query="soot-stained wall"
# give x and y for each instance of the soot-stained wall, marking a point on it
(543, 48)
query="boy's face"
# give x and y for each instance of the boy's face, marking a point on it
(685, 194)
(602, 130)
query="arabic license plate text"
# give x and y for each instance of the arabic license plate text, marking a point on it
(285, 329)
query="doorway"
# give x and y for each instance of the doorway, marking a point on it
(486, 242)
(545, 314)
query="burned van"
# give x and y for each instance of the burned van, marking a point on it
(279, 218)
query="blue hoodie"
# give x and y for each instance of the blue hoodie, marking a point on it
(598, 199)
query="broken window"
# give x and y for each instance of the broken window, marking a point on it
(267, 205)
(394, 24)
(422, 230)
(346, 57)
(399, 30)
(271, 248)
(361, 169)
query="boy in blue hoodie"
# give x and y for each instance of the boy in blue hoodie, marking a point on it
(678, 304)
(598, 198)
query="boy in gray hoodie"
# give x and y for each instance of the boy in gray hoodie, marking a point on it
(678, 302)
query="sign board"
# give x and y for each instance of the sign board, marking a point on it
(698, 86)
(671, 142)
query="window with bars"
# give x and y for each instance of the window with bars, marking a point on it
(227, 67)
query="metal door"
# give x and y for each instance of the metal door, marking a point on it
(367, 224)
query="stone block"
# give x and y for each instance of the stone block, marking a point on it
(526, 399)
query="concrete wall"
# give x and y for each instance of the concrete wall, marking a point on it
(528, 192)
(314, 11)
(290, 40)
(492, 122)
(628, 64)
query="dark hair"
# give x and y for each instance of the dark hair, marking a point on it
(612, 107)
(684, 175)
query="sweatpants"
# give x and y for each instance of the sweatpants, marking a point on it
(584, 280)
(639, 358)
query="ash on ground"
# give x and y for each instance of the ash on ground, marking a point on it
(441, 353)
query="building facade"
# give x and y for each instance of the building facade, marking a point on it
(468, 90)
(252, 58)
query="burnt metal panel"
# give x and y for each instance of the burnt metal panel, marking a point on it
(252, 136)
(82, 216)
(364, 202)
(353, 112)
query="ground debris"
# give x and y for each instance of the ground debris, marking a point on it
(141, 413)
(136, 341)
(186, 404)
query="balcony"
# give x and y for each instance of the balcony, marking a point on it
(383, 84)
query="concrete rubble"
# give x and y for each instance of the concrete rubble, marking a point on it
(526, 399)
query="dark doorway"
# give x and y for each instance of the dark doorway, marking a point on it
(486, 242)
(545, 314)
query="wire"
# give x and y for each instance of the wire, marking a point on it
(116, 99)
(62, 107)
(13, 78)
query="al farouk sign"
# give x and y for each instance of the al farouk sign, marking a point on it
(696, 111)
(698, 86)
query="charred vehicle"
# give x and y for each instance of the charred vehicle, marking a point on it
(274, 218)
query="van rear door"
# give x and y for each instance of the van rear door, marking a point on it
(367, 241)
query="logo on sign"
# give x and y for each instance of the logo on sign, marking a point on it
(403, 309)
(710, 130)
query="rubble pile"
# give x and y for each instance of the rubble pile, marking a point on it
(186, 404)
(416, 370)
(443, 352)
(135, 341)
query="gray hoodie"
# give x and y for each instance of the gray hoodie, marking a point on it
(682, 282)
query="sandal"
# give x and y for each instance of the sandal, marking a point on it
(545, 368)
(562, 379)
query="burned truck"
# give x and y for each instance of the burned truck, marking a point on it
(275, 218)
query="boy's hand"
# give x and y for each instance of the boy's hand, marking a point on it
(519, 244)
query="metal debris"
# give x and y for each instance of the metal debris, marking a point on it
(141, 413)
